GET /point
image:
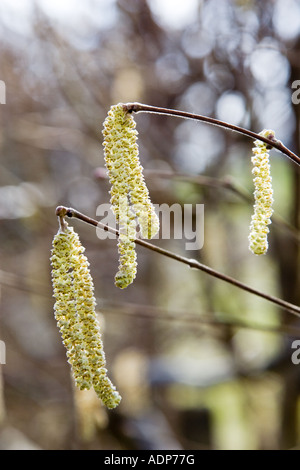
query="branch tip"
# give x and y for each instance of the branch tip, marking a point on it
(61, 211)
(270, 140)
(133, 107)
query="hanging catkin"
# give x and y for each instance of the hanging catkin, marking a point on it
(75, 313)
(263, 195)
(129, 194)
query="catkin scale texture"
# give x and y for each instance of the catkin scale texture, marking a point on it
(263, 195)
(129, 194)
(76, 317)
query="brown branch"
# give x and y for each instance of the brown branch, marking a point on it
(223, 183)
(139, 107)
(228, 184)
(10, 280)
(192, 263)
(200, 319)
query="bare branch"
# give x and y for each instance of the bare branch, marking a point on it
(138, 107)
(192, 263)
(226, 183)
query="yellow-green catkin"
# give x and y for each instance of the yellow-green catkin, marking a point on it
(126, 246)
(263, 195)
(75, 313)
(129, 194)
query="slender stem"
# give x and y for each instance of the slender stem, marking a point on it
(225, 183)
(212, 319)
(150, 312)
(192, 263)
(139, 107)
(61, 213)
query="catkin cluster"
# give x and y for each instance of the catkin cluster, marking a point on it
(263, 195)
(76, 317)
(129, 194)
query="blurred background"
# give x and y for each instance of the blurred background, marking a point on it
(199, 363)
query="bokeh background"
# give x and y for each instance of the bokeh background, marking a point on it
(200, 364)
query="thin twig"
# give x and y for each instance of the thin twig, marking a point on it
(139, 107)
(152, 312)
(223, 183)
(192, 263)
(201, 319)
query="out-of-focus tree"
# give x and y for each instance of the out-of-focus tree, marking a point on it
(199, 363)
